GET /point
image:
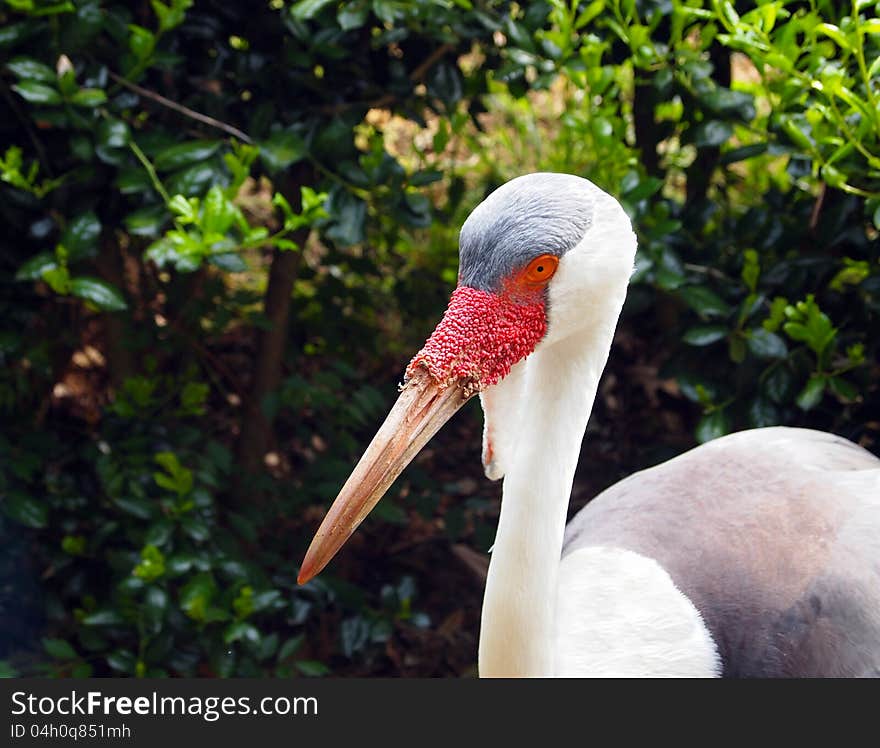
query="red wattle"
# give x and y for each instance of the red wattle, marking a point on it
(481, 336)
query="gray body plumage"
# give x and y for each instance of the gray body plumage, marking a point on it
(541, 213)
(773, 534)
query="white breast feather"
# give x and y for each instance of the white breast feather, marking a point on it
(619, 615)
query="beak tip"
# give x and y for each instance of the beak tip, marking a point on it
(306, 573)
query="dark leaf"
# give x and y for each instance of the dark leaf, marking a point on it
(765, 344)
(81, 234)
(25, 510)
(98, 292)
(88, 97)
(37, 93)
(711, 133)
(704, 335)
(59, 649)
(184, 154)
(34, 268)
(712, 426)
(27, 68)
(704, 301)
(811, 394)
(282, 149)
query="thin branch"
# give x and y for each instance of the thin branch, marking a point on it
(151, 171)
(817, 207)
(186, 111)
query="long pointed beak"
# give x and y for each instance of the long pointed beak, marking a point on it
(421, 409)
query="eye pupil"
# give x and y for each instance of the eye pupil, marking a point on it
(540, 268)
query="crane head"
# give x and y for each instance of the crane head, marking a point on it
(511, 248)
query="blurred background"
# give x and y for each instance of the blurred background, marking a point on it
(227, 226)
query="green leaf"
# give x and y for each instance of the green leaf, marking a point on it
(89, 97)
(712, 133)
(242, 631)
(765, 344)
(834, 32)
(704, 301)
(282, 149)
(290, 647)
(123, 661)
(113, 133)
(106, 617)
(37, 93)
(286, 245)
(170, 17)
(184, 154)
(736, 348)
(352, 15)
(34, 268)
(178, 478)
(187, 210)
(312, 668)
(58, 279)
(194, 179)
(132, 181)
(778, 384)
(705, 335)
(727, 102)
(141, 42)
(98, 292)
(229, 261)
(762, 413)
(636, 187)
(193, 395)
(81, 234)
(845, 390)
(152, 564)
(218, 213)
(136, 507)
(146, 221)
(154, 607)
(810, 325)
(196, 596)
(26, 510)
(712, 426)
(797, 132)
(306, 9)
(349, 214)
(159, 533)
(59, 649)
(424, 177)
(812, 393)
(751, 269)
(743, 153)
(28, 68)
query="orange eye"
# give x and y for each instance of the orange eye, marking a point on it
(541, 269)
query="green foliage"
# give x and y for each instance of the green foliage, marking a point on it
(141, 220)
(752, 141)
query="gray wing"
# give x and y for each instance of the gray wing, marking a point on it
(774, 535)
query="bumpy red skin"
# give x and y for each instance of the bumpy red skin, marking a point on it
(481, 336)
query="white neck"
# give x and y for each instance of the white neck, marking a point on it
(543, 411)
(516, 638)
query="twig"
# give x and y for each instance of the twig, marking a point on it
(186, 111)
(817, 207)
(151, 171)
